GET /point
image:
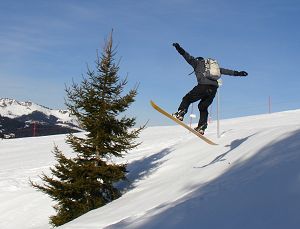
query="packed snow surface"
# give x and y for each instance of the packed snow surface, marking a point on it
(250, 180)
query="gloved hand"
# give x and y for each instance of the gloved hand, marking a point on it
(178, 48)
(243, 73)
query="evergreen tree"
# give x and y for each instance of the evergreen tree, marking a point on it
(86, 181)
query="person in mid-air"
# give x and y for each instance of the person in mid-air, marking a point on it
(207, 72)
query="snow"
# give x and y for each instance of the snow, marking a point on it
(12, 108)
(250, 180)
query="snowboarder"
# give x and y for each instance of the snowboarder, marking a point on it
(207, 72)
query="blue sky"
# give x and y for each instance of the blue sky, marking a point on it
(46, 44)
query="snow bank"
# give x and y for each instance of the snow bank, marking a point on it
(250, 180)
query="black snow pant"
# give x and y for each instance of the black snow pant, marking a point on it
(204, 93)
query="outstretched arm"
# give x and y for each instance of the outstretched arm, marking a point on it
(225, 71)
(190, 59)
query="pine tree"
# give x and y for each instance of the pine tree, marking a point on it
(86, 181)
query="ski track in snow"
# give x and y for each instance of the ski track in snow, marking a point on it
(250, 180)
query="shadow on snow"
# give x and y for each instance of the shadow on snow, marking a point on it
(233, 145)
(262, 192)
(140, 169)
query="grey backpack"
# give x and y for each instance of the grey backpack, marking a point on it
(212, 69)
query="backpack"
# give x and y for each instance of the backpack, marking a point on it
(212, 69)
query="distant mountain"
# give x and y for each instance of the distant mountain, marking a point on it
(26, 119)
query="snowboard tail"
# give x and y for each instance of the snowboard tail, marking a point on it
(160, 110)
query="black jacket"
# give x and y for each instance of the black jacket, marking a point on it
(199, 68)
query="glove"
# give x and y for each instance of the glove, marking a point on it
(243, 73)
(178, 48)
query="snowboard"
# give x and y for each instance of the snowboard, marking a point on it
(160, 110)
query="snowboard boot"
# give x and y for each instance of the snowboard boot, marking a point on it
(179, 115)
(200, 129)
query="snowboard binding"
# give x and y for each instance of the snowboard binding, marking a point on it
(179, 115)
(200, 129)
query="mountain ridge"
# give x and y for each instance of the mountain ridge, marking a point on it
(26, 119)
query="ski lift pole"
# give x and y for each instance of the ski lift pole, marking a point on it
(191, 115)
(210, 116)
(218, 108)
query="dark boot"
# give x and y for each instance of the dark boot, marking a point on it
(179, 114)
(201, 128)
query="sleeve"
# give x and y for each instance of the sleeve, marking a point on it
(190, 59)
(225, 71)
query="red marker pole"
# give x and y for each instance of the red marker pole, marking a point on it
(34, 129)
(270, 104)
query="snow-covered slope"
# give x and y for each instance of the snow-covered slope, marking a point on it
(250, 180)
